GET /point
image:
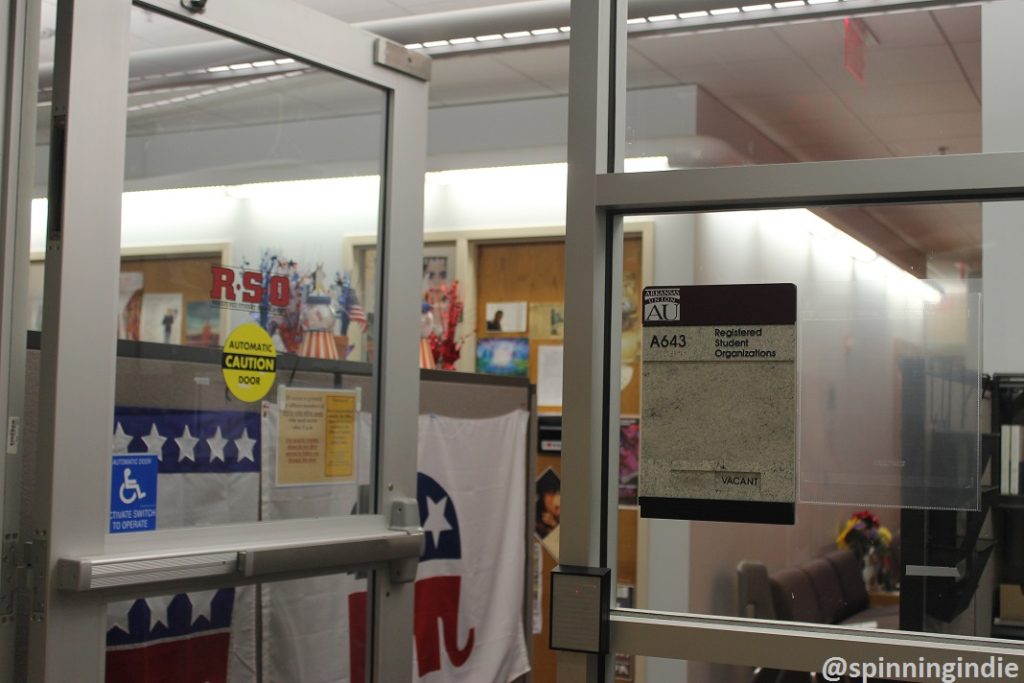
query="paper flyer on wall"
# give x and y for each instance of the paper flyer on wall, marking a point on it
(316, 442)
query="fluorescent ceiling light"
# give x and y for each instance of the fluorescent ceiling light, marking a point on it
(284, 60)
(462, 41)
(489, 37)
(692, 15)
(789, 3)
(435, 43)
(756, 8)
(544, 31)
(512, 34)
(724, 10)
(662, 17)
(636, 20)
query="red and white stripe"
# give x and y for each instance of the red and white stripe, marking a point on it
(319, 344)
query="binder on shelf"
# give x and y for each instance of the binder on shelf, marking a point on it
(1004, 460)
(1015, 457)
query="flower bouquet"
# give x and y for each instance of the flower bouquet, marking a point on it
(871, 542)
(446, 309)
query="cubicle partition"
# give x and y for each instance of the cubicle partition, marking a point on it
(220, 471)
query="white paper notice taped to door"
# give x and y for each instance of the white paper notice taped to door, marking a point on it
(719, 395)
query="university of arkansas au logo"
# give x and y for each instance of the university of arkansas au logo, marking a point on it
(437, 596)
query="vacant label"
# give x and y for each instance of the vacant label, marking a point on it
(719, 403)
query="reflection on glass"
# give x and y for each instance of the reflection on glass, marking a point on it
(899, 453)
(805, 87)
(247, 172)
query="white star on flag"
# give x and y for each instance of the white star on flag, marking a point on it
(245, 447)
(187, 445)
(121, 440)
(217, 443)
(158, 607)
(117, 616)
(155, 442)
(436, 524)
(202, 605)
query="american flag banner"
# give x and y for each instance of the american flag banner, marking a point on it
(171, 639)
(209, 473)
(349, 307)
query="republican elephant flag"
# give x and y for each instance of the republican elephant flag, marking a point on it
(470, 584)
(469, 590)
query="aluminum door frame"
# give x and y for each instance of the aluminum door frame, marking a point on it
(19, 26)
(78, 354)
(599, 194)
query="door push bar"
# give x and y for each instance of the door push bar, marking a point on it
(261, 551)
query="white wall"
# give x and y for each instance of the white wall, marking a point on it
(1002, 235)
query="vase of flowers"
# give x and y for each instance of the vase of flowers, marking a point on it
(444, 305)
(864, 534)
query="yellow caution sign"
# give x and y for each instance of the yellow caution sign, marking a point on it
(249, 362)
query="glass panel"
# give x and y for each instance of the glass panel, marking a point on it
(889, 398)
(44, 93)
(783, 83)
(246, 172)
(245, 361)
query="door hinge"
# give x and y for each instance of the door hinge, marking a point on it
(35, 554)
(11, 571)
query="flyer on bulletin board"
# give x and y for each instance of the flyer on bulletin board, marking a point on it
(316, 441)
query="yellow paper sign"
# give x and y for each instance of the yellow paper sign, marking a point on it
(316, 441)
(249, 362)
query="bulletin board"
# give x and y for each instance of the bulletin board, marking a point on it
(534, 272)
(179, 273)
(187, 275)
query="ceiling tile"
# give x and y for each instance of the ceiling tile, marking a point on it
(724, 47)
(548, 66)
(906, 29)
(813, 38)
(476, 78)
(896, 66)
(354, 11)
(643, 73)
(961, 24)
(969, 55)
(818, 106)
(842, 130)
(896, 129)
(751, 79)
(872, 101)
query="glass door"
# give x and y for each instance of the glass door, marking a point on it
(799, 308)
(226, 470)
(19, 28)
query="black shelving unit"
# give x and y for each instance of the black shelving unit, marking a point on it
(935, 438)
(1007, 409)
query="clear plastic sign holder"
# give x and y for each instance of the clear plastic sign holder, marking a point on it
(890, 394)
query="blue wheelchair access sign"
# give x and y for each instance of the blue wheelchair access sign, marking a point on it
(133, 493)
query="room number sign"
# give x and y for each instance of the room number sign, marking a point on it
(718, 414)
